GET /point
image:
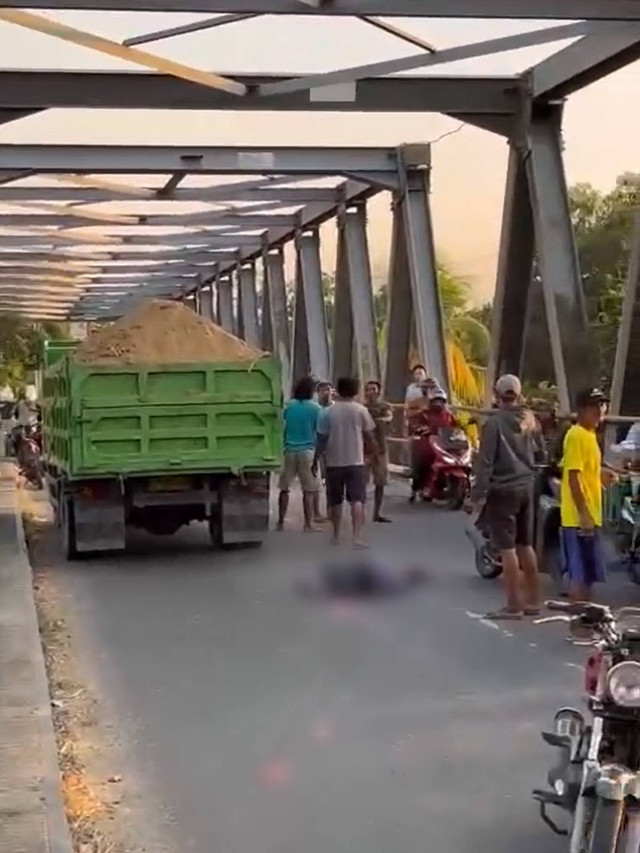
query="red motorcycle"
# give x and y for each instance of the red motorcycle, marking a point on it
(29, 455)
(444, 465)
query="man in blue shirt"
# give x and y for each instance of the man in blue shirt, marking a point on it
(301, 417)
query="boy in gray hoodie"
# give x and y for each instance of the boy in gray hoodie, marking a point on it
(503, 491)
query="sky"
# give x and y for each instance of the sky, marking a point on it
(601, 126)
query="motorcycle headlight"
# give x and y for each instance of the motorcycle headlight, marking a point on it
(623, 684)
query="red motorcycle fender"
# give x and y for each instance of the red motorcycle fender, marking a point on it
(459, 473)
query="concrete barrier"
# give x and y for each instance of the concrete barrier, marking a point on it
(31, 810)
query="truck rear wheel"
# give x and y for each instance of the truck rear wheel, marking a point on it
(68, 520)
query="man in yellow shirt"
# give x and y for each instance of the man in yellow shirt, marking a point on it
(581, 497)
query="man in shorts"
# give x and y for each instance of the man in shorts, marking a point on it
(581, 497)
(503, 492)
(301, 417)
(345, 434)
(378, 468)
(325, 394)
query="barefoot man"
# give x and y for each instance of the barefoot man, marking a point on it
(345, 435)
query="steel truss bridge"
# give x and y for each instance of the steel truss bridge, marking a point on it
(68, 258)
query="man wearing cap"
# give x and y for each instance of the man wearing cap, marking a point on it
(503, 492)
(581, 497)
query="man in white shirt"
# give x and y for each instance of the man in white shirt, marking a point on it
(415, 388)
(345, 436)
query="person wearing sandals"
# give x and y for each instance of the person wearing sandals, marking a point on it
(510, 445)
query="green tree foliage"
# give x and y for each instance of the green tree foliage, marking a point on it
(603, 224)
(20, 347)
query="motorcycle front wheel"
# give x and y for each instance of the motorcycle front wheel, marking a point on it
(486, 564)
(457, 492)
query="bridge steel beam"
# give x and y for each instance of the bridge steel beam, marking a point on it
(400, 317)
(225, 302)
(515, 268)
(343, 362)
(423, 277)
(279, 318)
(311, 347)
(625, 387)
(602, 10)
(558, 258)
(248, 304)
(360, 292)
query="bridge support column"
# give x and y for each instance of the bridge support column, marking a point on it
(248, 307)
(310, 345)
(363, 339)
(197, 299)
(208, 301)
(343, 362)
(557, 256)
(421, 263)
(625, 387)
(264, 320)
(225, 302)
(276, 309)
(236, 295)
(400, 322)
(515, 269)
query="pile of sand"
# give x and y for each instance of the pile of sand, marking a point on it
(162, 332)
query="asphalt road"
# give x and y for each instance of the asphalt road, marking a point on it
(260, 721)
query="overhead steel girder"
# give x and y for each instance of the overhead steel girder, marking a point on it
(350, 74)
(166, 241)
(534, 9)
(289, 196)
(235, 222)
(204, 160)
(584, 62)
(140, 90)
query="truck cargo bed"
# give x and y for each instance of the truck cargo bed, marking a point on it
(162, 419)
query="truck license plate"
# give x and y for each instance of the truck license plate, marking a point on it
(170, 484)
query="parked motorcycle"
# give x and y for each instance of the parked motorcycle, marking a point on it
(546, 528)
(596, 776)
(29, 457)
(449, 466)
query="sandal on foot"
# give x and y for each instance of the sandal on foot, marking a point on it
(503, 614)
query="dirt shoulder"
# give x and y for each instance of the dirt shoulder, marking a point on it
(94, 791)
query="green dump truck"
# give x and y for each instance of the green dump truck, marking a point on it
(158, 446)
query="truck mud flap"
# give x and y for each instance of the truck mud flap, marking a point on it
(245, 510)
(99, 525)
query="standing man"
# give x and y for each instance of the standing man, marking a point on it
(382, 415)
(414, 392)
(301, 416)
(581, 497)
(325, 394)
(504, 489)
(345, 434)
